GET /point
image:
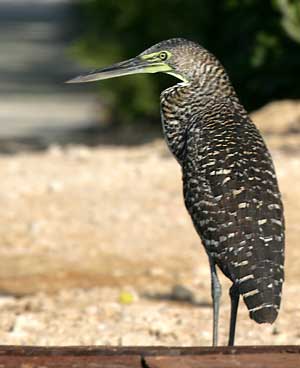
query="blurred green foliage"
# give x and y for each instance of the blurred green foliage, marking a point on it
(255, 40)
(290, 17)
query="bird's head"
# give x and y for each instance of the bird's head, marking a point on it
(177, 56)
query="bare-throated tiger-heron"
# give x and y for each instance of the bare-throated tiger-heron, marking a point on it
(229, 183)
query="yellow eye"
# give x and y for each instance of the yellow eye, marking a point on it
(163, 56)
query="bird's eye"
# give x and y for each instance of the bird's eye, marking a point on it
(163, 56)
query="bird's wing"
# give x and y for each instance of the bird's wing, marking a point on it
(232, 195)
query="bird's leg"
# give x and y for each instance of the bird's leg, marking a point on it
(216, 292)
(234, 296)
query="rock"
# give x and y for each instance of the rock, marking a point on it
(278, 117)
(181, 293)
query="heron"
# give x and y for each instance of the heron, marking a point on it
(229, 181)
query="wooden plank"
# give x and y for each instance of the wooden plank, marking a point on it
(211, 361)
(149, 357)
(71, 362)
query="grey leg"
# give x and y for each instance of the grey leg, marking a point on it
(216, 292)
(234, 296)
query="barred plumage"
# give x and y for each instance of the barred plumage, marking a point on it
(229, 182)
(230, 186)
(231, 193)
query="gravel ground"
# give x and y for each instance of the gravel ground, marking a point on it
(97, 248)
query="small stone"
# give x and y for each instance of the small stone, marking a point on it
(156, 271)
(79, 153)
(181, 293)
(35, 227)
(7, 323)
(55, 150)
(55, 186)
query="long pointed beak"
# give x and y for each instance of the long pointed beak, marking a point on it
(131, 66)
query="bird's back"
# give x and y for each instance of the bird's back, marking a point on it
(231, 193)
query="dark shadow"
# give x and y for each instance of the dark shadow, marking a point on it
(92, 136)
(178, 294)
(9, 294)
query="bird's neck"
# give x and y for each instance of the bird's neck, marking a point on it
(176, 112)
(212, 81)
(184, 103)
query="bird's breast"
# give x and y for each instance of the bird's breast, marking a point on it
(178, 107)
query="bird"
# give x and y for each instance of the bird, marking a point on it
(230, 186)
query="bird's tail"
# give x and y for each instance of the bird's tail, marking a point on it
(266, 314)
(262, 296)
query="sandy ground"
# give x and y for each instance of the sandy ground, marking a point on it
(97, 248)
